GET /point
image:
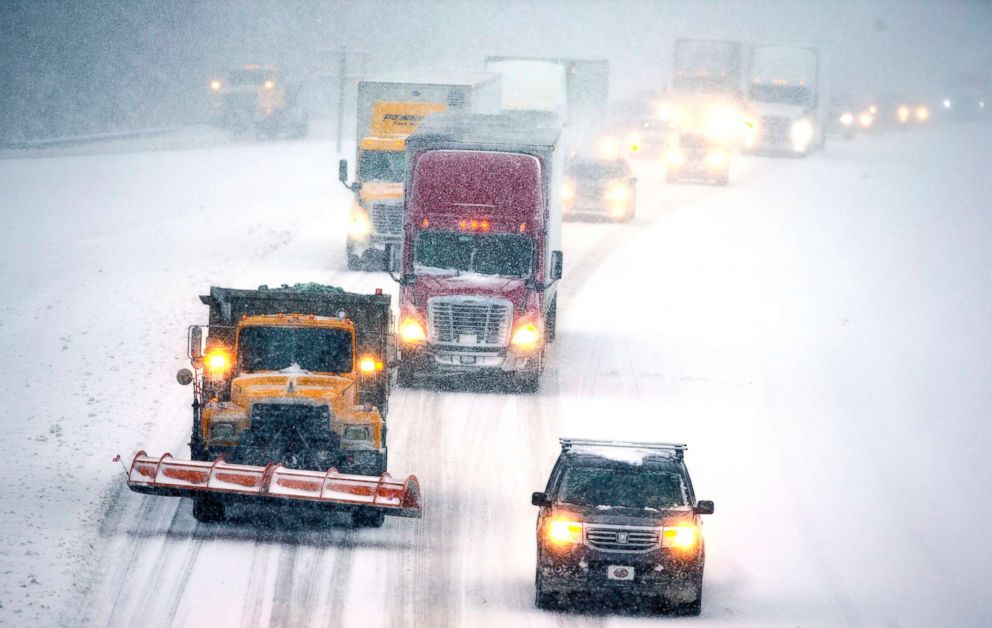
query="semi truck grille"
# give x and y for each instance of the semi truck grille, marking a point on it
(472, 321)
(776, 127)
(387, 218)
(622, 538)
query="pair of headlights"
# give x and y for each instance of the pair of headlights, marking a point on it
(525, 336)
(561, 531)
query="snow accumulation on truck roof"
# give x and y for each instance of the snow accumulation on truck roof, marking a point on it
(518, 130)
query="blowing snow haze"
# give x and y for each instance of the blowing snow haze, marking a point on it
(81, 67)
(495, 314)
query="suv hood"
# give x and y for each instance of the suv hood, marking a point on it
(627, 516)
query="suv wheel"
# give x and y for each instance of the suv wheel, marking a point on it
(689, 609)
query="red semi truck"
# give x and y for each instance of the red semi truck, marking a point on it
(481, 254)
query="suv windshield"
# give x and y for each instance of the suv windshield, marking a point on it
(621, 488)
(504, 254)
(380, 165)
(277, 348)
(599, 170)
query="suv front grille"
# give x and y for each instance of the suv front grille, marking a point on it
(471, 321)
(621, 538)
(387, 218)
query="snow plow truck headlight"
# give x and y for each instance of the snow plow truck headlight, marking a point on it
(411, 331)
(682, 537)
(217, 362)
(526, 336)
(563, 531)
(369, 364)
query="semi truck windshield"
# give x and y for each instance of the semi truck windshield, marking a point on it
(485, 253)
(380, 165)
(277, 348)
(785, 94)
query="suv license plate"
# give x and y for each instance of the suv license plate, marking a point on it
(619, 572)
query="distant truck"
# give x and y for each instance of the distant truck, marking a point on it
(575, 90)
(788, 99)
(704, 110)
(256, 98)
(389, 110)
(290, 396)
(481, 255)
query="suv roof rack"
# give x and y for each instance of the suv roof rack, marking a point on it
(677, 448)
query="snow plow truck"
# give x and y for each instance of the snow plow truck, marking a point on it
(290, 396)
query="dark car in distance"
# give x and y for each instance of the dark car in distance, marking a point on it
(620, 518)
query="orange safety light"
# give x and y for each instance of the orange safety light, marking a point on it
(523, 227)
(425, 223)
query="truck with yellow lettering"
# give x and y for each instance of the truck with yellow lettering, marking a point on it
(389, 110)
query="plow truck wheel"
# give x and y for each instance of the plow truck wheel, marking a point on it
(208, 509)
(368, 518)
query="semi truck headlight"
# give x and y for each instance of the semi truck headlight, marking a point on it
(847, 118)
(269, 84)
(567, 190)
(680, 537)
(618, 193)
(359, 226)
(722, 123)
(562, 531)
(215, 85)
(525, 336)
(801, 131)
(411, 331)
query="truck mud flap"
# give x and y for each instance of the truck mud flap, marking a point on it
(188, 478)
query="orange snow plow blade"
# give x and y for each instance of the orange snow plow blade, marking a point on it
(186, 478)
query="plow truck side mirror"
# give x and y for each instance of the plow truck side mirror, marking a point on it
(539, 499)
(184, 377)
(704, 507)
(556, 265)
(195, 342)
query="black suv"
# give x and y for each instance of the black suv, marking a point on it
(620, 517)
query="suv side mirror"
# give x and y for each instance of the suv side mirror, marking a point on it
(539, 499)
(556, 265)
(704, 507)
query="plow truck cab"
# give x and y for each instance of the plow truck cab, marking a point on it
(481, 255)
(389, 110)
(259, 99)
(290, 395)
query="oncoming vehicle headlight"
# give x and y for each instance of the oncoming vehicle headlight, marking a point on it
(722, 123)
(865, 119)
(412, 331)
(525, 336)
(563, 531)
(716, 160)
(618, 193)
(801, 133)
(215, 85)
(222, 431)
(567, 190)
(922, 113)
(360, 225)
(847, 118)
(680, 537)
(269, 84)
(902, 114)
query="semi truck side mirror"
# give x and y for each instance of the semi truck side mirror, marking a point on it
(184, 377)
(195, 342)
(556, 265)
(539, 499)
(343, 172)
(704, 507)
(392, 262)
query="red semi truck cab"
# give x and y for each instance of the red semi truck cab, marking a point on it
(481, 258)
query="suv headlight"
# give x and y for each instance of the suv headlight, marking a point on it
(561, 531)
(682, 537)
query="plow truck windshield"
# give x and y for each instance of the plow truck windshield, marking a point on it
(507, 255)
(311, 349)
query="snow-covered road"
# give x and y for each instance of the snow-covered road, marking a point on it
(818, 333)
